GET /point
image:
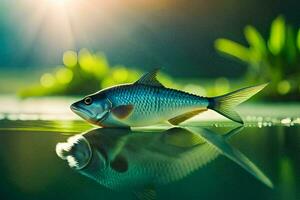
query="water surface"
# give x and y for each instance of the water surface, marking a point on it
(30, 168)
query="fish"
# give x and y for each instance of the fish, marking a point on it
(142, 161)
(148, 102)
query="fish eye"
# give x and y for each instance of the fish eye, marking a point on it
(88, 101)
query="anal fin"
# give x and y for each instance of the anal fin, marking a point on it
(181, 118)
(180, 137)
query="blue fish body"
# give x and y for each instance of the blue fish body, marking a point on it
(151, 104)
(147, 102)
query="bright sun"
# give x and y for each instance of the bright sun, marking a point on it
(50, 27)
(58, 1)
(59, 24)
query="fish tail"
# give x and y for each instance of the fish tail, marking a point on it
(224, 104)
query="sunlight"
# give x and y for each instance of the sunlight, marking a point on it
(58, 1)
(47, 28)
(59, 24)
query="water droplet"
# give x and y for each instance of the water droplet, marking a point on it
(286, 121)
(260, 119)
(296, 121)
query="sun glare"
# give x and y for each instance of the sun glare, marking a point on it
(60, 24)
(63, 2)
(49, 27)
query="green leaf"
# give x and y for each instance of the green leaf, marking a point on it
(290, 46)
(298, 39)
(277, 35)
(255, 39)
(232, 48)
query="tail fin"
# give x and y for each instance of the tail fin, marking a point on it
(224, 104)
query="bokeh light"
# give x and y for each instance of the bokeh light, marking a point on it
(100, 65)
(107, 82)
(120, 74)
(221, 85)
(64, 75)
(70, 58)
(86, 60)
(47, 80)
(283, 87)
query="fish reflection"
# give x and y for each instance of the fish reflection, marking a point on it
(121, 159)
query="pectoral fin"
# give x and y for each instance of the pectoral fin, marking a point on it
(122, 111)
(119, 164)
(181, 118)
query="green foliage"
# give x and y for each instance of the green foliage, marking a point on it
(276, 60)
(83, 73)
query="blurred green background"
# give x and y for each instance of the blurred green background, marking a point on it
(74, 47)
(61, 50)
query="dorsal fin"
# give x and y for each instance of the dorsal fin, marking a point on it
(150, 79)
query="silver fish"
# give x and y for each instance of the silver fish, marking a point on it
(147, 102)
(120, 159)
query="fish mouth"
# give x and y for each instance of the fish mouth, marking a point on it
(81, 111)
(96, 119)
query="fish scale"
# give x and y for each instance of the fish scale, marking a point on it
(148, 102)
(154, 103)
(157, 167)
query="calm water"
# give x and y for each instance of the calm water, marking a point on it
(30, 168)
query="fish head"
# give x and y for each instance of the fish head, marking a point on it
(93, 108)
(80, 154)
(76, 151)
